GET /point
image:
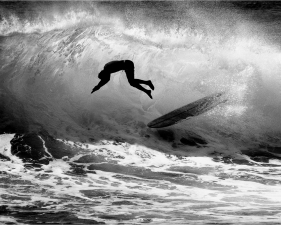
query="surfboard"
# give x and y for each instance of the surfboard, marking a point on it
(185, 112)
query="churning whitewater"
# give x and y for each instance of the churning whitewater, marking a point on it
(71, 156)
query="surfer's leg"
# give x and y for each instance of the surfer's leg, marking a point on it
(138, 86)
(129, 70)
(146, 82)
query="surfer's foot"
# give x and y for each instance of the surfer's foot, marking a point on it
(150, 85)
(149, 94)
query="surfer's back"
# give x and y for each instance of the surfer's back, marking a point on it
(114, 66)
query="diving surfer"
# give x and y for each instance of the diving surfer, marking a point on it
(128, 67)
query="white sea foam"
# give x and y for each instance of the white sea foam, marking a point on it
(216, 188)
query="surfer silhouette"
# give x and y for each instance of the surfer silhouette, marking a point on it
(128, 67)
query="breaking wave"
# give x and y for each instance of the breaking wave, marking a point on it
(50, 58)
(71, 156)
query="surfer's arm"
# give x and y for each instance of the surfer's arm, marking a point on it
(100, 84)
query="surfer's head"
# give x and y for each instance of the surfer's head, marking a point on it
(102, 74)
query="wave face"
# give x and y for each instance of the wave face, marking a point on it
(96, 149)
(51, 55)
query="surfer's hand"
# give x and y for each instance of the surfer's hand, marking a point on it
(94, 89)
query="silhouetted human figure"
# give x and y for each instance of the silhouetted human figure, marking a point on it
(128, 66)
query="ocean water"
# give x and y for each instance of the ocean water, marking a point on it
(71, 157)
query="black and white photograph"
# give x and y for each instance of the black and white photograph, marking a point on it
(140, 112)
